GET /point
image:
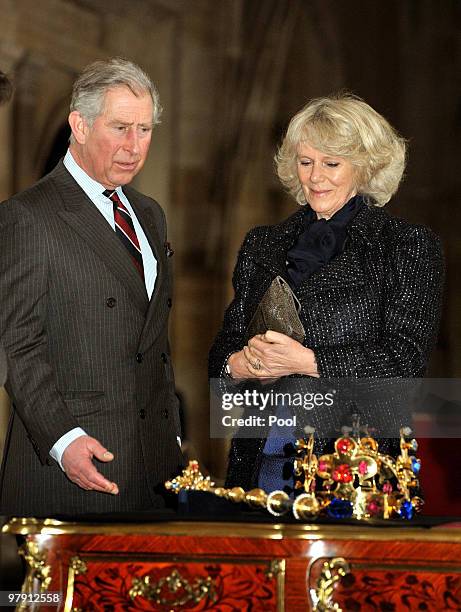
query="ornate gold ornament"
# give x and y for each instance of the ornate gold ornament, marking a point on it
(355, 481)
(37, 568)
(175, 584)
(77, 565)
(332, 571)
(274, 569)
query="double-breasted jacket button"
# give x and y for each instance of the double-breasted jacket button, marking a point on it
(139, 357)
(142, 413)
(49, 461)
(110, 302)
(169, 302)
(164, 357)
(165, 413)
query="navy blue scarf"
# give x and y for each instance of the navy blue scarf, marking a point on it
(320, 241)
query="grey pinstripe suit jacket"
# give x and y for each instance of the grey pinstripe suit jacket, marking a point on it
(85, 348)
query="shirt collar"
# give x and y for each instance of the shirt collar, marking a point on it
(92, 188)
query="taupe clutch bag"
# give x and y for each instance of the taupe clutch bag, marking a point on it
(278, 310)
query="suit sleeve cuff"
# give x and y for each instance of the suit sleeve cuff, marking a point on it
(60, 446)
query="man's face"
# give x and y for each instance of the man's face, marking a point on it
(113, 150)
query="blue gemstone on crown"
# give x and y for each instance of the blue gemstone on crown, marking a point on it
(406, 510)
(340, 509)
(415, 465)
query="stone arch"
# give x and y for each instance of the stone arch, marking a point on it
(54, 138)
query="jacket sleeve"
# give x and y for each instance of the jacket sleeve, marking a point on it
(232, 336)
(411, 312)
(24, 292)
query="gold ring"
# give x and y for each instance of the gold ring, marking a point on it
(257, 364)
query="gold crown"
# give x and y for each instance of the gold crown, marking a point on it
(355, 481)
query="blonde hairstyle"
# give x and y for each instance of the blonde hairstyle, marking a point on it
(346, 126)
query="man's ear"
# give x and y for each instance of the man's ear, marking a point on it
(79, 127)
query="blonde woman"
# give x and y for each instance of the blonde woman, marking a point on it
(369, 284)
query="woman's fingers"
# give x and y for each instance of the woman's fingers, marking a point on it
(253, 361)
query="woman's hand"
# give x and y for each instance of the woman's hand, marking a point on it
(272, 355)
(238, 365)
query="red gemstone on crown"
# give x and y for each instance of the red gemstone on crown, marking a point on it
(344, 445)
(342, 473)
(387, 487)
(373, 507)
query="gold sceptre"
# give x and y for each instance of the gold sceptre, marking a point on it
(306, 505)
(191, 479)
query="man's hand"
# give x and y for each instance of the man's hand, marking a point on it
(272, 355)
(78, 465)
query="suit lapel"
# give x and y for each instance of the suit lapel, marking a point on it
(81, 214)
(156, 313)
(271, 253)
(345, 270)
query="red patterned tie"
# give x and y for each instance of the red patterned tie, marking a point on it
(124, 229)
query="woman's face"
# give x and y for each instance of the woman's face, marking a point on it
(328, 182)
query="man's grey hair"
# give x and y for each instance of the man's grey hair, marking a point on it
(97, 78)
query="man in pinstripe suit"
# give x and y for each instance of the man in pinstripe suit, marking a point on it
(85, 286)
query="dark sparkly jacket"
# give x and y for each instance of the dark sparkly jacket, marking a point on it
(371, 312)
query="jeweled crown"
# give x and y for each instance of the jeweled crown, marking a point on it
(355, 481)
